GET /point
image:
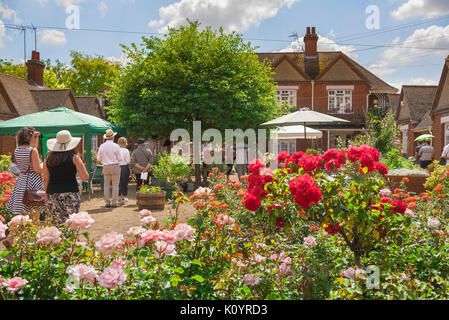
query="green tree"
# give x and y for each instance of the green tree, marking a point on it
(87, 74)
(190, 75)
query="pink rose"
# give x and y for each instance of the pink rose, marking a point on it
(351, 273)
(49, 235)
(310, 241)
(147, 220)
(14, 284)
(83, 272)
(81, 221)
(203, 192)
(258, 258)
(136, 231)
(224, 220)
(3, 228)
(251, 279)
(18, 221)
(150, 235)
(285, 269)
(274, 257)
(109, 242)
(144, 213)
(119, 262)
(164, 248)
(288, 260)
(385, 192)
(112, 277)
(409, 212)
(184, 232)
(169, 236)
(433, 223)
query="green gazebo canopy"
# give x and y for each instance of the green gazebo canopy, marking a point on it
(48, 123)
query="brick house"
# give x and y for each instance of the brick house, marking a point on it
(20, 96)
(330, 83)
(413, 114)
(440, 113)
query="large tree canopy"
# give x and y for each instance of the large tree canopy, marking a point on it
(190, 75)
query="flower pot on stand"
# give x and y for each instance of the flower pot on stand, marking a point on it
(151, 201)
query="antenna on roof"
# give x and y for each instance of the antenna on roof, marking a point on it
(35, 36)
(295, 35)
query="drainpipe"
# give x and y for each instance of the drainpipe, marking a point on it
(313, 93)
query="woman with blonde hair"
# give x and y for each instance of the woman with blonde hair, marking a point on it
(124, 170)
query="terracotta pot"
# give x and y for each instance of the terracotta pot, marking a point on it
(151, 201)
(415, 184)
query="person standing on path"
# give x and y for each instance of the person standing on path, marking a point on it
(445, 154)
(418, 147)
(124, 170)
(425, 155)
(110, 156)
(60, 168)
(142, 160)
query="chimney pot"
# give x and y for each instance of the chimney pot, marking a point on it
(35, 55)
(313, 30)
(308, 30)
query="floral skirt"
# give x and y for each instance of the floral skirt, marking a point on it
(61, 205)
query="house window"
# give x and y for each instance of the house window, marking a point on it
(287, 145)
(340, 101)
(286, 97)
(94, 142)
(446, 134)
(405, 142)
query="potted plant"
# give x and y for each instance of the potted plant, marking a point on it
(151, 198)
(170, 170)
(414, 179)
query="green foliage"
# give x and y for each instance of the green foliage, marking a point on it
(5, 162)
(191, 75)
(149, 189)
(394, 160)
(381, 132)
(170, 168)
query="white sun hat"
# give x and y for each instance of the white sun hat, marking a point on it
(63, 142)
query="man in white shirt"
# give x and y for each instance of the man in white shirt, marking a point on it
(425, 155)
(445, 154)
(110, 156)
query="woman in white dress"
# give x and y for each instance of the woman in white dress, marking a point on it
(124, 170)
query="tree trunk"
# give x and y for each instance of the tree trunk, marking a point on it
(197, 175)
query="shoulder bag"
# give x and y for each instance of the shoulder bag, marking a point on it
(33, 198)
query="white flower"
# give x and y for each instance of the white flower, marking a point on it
(433, 223)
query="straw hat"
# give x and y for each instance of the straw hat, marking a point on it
(109, 134)
(63, 142)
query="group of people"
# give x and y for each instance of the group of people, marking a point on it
(61, 169)
(424, 153)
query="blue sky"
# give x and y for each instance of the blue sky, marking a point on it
(412, 39)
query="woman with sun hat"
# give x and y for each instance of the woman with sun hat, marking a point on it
(60, 168)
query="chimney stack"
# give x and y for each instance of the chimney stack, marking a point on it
(35, 69)
(311, 62)
(310, 42)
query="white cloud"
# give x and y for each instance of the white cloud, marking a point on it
(422, 82)
(408, 51)
(52, 37)
(427, 8)
(324, 44)
(103, 8)
(331, 34)
(123, 60)
(232, 15)
(2, 33)
(67, 3)
(9, 14)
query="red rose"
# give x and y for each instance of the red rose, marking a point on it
(282, 156)
(256, 165)
(280, 222)
(305, 191)
(383, 169)
(333, 228)
(309, 162)
(252, 202)
(399, 206)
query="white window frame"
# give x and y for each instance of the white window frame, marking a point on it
(405, 141)
(94, 143)
(288, 92)
(446, 134)
(344, 95)
(287, 145)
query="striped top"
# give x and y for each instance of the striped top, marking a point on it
(35, 182)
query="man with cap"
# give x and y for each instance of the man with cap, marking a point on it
(142, 159)
(110, 156)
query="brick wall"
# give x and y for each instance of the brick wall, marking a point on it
(7, 144)
(438, 132)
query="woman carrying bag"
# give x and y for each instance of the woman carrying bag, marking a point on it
(60, 168)
(27, 196)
